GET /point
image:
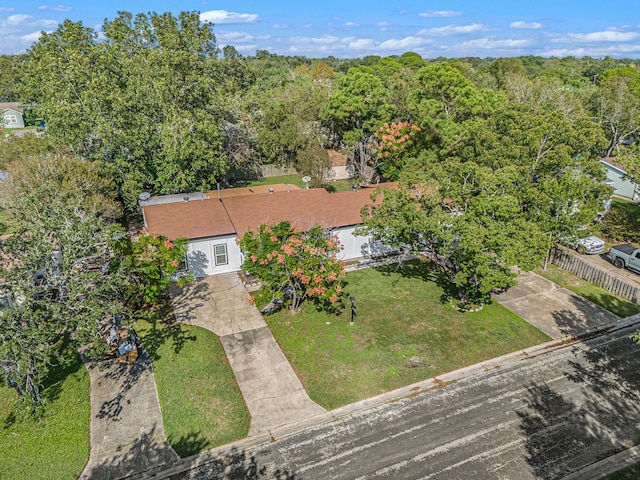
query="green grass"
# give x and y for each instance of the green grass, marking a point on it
(622, 222)
(617, 305)
(202, 406)
(629, 473)
(400, 315)
(290, 179)
(55, 446)
(335, 185)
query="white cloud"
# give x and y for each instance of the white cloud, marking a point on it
(453, 29)
(31, 37)
(18, 20)
(360, 44)
(407, 43)
(55, 8)
(6, 9)
(353, 46)
(45, 23)
(488, 43)
(351, 24)
(606, 36)
(526, 25)
(222, 16)
(323, 40)
(617, 50)
(234, 37)
(440, 13)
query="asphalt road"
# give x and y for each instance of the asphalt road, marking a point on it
(541, 418)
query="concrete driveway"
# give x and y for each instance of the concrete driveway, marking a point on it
(271, 389)
(556, 311)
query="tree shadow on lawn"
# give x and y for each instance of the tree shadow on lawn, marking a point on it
(164, 329)
(189, 444)
(599, 417)
(69, 362)
(423, 270)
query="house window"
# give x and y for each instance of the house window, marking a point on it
(220, 254)
(11, 119)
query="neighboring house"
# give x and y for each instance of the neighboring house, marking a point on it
(215, 222)
(12, 115)
(616, 177)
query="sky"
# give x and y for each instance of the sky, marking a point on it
(357, 28)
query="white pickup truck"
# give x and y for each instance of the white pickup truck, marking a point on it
(625, 255)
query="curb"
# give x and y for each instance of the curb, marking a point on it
(598, 470)
(410, 391)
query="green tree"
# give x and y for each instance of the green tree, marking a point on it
(314, 161)
(282, 125)
(447, 105)
(68, 175)
(145, 99)
(10, 75)
(148, 263)
(56, 273)
(617, 105)
(352, 113)
(305, 262)
(393, 144)
(466, 219)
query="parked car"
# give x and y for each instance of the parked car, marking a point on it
(625, 255)
(591, 245)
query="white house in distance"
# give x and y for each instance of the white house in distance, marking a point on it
(616, 177)
(12, 115)
(214, 222)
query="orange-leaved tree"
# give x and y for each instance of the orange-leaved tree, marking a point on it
(295, 266)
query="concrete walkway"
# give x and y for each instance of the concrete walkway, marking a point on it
(556, 311)
(127, 436)
(271, 389)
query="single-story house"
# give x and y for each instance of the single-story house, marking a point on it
(617, 178)
(12, 115)
(214, 222)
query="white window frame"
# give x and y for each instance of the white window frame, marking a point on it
(216, 254)
(11, 118)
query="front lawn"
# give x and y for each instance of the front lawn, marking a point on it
(617, 305)
(202, 406)
(402, 334)
(622, 222)
(55, 446)
(629, 473)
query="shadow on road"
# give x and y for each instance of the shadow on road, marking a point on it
(237, 465)
(598, 417)
(189, 299)
(126, 377)
(147, 453)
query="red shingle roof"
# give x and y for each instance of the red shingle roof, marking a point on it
(303, 208)
(193, 219)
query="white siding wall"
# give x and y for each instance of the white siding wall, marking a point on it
(621, 185)
(356, 246)
(201, 260)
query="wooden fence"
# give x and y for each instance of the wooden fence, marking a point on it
(273, 171)
(591, 273)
